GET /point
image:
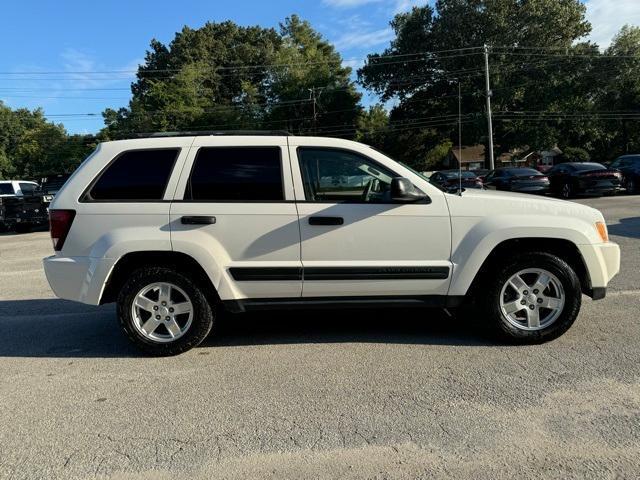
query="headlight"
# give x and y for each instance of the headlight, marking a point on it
(601, 227)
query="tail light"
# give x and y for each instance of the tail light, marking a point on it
(60, 222)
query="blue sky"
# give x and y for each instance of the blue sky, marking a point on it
(79, 36)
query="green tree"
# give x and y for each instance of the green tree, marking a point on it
(621, 94)
(223, 76)
(310, 68)
(373, 126)
(425, 84)
(31, 146)
(436, 156)
(575, 154)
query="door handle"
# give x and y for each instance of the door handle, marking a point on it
(326, 220)
(198, 220)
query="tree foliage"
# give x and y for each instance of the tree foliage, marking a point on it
(224, 76)
(426, 83)
(30, 146)
(549, 86)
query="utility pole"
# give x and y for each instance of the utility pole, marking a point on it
(488, 95)
(312, 96)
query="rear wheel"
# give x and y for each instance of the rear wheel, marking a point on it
(163, 312)
(532, 298)
(566, 191)
(23, 227)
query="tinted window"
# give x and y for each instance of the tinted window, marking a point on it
(626, 162)
(522, 171)
(331, 175)
(586, 166)
(456, 174)
(236, 174)
(27, 188)
(6, 189)
(136, 175)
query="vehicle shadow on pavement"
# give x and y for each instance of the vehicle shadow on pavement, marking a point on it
(402, 326)
(62, 329)
(628, 227)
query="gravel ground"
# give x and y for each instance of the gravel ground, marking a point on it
(372, 394)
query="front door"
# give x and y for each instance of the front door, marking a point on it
(355, 241)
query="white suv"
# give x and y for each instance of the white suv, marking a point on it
(172, 227)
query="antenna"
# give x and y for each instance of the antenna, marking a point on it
(459, 139)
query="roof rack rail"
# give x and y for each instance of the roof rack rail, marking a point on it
(202, 133)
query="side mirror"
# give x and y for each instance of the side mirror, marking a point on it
(403, 191)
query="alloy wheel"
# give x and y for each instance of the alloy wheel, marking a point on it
(532, 299)
(162, 312)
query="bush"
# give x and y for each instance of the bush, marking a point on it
(575, 154)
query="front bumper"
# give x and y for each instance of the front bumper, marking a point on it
(80, 279)
(603, 263)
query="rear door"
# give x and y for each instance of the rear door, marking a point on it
(234, 212)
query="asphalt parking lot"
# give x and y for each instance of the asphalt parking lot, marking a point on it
(375, 394)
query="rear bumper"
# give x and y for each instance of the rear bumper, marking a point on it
(531, 189)
(603, 263)
(80, 279)
(598, 187)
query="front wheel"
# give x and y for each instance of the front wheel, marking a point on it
(533, 298)
(630, 185)
(163, 312)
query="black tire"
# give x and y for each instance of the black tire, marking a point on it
(201, 323)
(23, 227)
(490, 298)
(566, 190)
(630, 186)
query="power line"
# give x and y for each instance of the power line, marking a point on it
(430, 54)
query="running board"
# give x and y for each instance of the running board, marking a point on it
(423, 301)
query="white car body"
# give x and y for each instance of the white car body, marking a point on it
(446, 240)
(17, 186)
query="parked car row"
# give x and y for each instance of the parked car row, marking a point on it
(565, 180)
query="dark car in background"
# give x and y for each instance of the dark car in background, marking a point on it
(449, 180)
(50, 185)
(629, 167)
(481, 172)
(583, 178)
(517, 179)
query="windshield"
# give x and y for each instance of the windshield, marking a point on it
(6, 189)
(456, 174)
(413, 170)
(522, 171)
(587, 166)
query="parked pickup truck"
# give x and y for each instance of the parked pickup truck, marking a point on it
(172, 228)
(50, 186)
(21, 207)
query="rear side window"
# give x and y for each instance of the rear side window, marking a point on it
(27, 188)
(235, 174)
(136, 175)
(6, 189)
